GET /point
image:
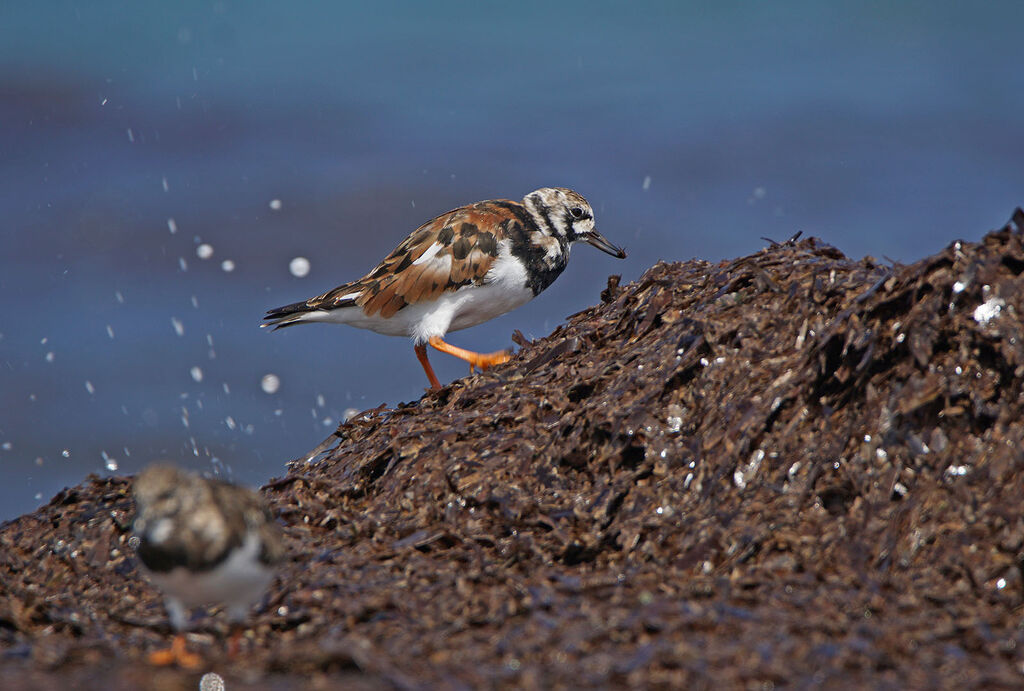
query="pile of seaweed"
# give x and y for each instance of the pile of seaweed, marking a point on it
(791, 468)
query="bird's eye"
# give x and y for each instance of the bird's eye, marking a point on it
(576, 212)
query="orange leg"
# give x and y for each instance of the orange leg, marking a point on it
(235, 642)
(481, 360)
(421, 353)
(176, 654)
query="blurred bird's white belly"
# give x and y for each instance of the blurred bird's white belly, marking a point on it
(238, 582)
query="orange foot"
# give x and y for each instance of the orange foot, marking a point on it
(176, 654)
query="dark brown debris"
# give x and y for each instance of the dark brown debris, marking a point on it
(792, 468)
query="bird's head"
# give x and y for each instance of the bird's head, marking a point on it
(565, 214)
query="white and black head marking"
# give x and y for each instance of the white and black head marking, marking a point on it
(560, 213)
(567, 216)
(560, 217)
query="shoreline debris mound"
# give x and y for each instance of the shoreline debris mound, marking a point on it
(789, 468)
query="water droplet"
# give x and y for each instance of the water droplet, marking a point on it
(110, 331)
(988, 310)
(197, 374)
(647, 182)
(227, 266)
(65, 453)
(299, 267)
(275, 204)
(89, 387)
(111, 463)
(270, 383)
(957, 470)
(211, 681)
(179, 328)
(49, 356)
(745, 473)
(172, 226)
(131, 136)
(204, 251)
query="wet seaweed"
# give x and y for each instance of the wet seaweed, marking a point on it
(789, 468)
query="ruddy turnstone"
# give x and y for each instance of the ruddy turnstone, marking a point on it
(458, 270)
(203, 542)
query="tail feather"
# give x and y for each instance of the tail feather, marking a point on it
(289, 315)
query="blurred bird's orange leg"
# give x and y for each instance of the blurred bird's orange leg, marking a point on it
(234, 642)
(176, 654)
(421, 353)
(481, 360)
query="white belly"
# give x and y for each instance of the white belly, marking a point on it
(237, 583)
(506, 288)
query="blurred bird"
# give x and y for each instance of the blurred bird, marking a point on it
(458, 270)
(203, 542)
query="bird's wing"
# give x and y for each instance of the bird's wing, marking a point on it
(455, 249)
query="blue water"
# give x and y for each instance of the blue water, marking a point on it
(887, 129)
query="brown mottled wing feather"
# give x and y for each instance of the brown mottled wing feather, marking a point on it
(464, 243)
(244, 510)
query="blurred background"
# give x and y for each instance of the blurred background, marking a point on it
(169, 171)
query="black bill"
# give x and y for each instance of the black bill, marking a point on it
(600, 242)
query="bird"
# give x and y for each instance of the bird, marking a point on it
(203, 542)
(458, 270)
